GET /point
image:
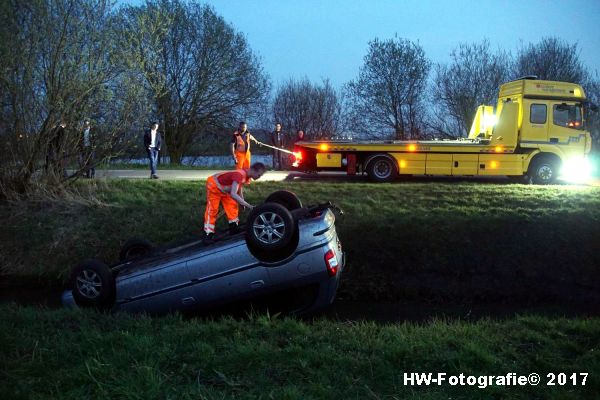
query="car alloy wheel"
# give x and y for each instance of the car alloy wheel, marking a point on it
(269, 227)
(89, 284)
(286, 198)
(135, 248)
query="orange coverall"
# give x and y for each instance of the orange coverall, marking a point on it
(218, 187)
(242, 150)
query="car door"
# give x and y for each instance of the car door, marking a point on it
(226, 273)
(161, 286)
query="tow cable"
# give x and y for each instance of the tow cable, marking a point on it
(275, 148)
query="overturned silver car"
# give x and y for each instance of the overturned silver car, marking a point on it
(284, 249)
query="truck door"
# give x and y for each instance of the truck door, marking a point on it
(566, 126)
(535, 123)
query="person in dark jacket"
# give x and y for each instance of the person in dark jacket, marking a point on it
(299, 136)
(278, 140)
(152, 143)
(55, 160)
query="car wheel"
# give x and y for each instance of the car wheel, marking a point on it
(270, 226)
(93, 285)
(135, 248)
(382, 169)
(543, 171)
(286, 198)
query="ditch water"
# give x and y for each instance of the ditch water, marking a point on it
(362, 311)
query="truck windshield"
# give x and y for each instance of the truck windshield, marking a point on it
(568, 115)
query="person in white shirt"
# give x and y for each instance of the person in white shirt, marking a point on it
(87, 153)
(152, 143)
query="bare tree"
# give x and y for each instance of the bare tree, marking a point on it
(314, 108)
(592, 117)
(471, 79)
(387, 96)
(199, 71)
(58, 61)
(550, 59)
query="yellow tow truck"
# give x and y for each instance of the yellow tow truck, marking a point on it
(535, 133)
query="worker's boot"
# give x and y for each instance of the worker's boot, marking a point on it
(209, 238)
(233, 228)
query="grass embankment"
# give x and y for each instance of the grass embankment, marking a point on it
(404, 241)
(72, 355)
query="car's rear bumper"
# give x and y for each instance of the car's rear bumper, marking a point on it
(327, 291)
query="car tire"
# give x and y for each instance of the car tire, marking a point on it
(543, 170)
(286, 198)
(382, 169)
(270, 227)
(135, 248)
(93, 285)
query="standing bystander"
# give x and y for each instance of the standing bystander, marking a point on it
(277, 140)
(152, 143)
(87, 151)
(55, 161)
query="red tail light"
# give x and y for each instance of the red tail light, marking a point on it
(297, 157)
(331, 263)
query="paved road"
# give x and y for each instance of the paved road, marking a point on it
(286, 175)
(204, 174)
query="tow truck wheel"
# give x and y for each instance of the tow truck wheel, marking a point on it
(382, 169)
(135, 248)
(543, 171)
(286, 198)
(93, 285)
(270, 226)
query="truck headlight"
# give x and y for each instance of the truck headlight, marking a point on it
(577, 169)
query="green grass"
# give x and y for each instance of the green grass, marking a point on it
(426, 241)
(72, 355)
(404, 241)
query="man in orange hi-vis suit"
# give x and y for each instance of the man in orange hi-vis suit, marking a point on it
(240, 146)
(226, 188)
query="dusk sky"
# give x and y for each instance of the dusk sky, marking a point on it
(328, 39)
